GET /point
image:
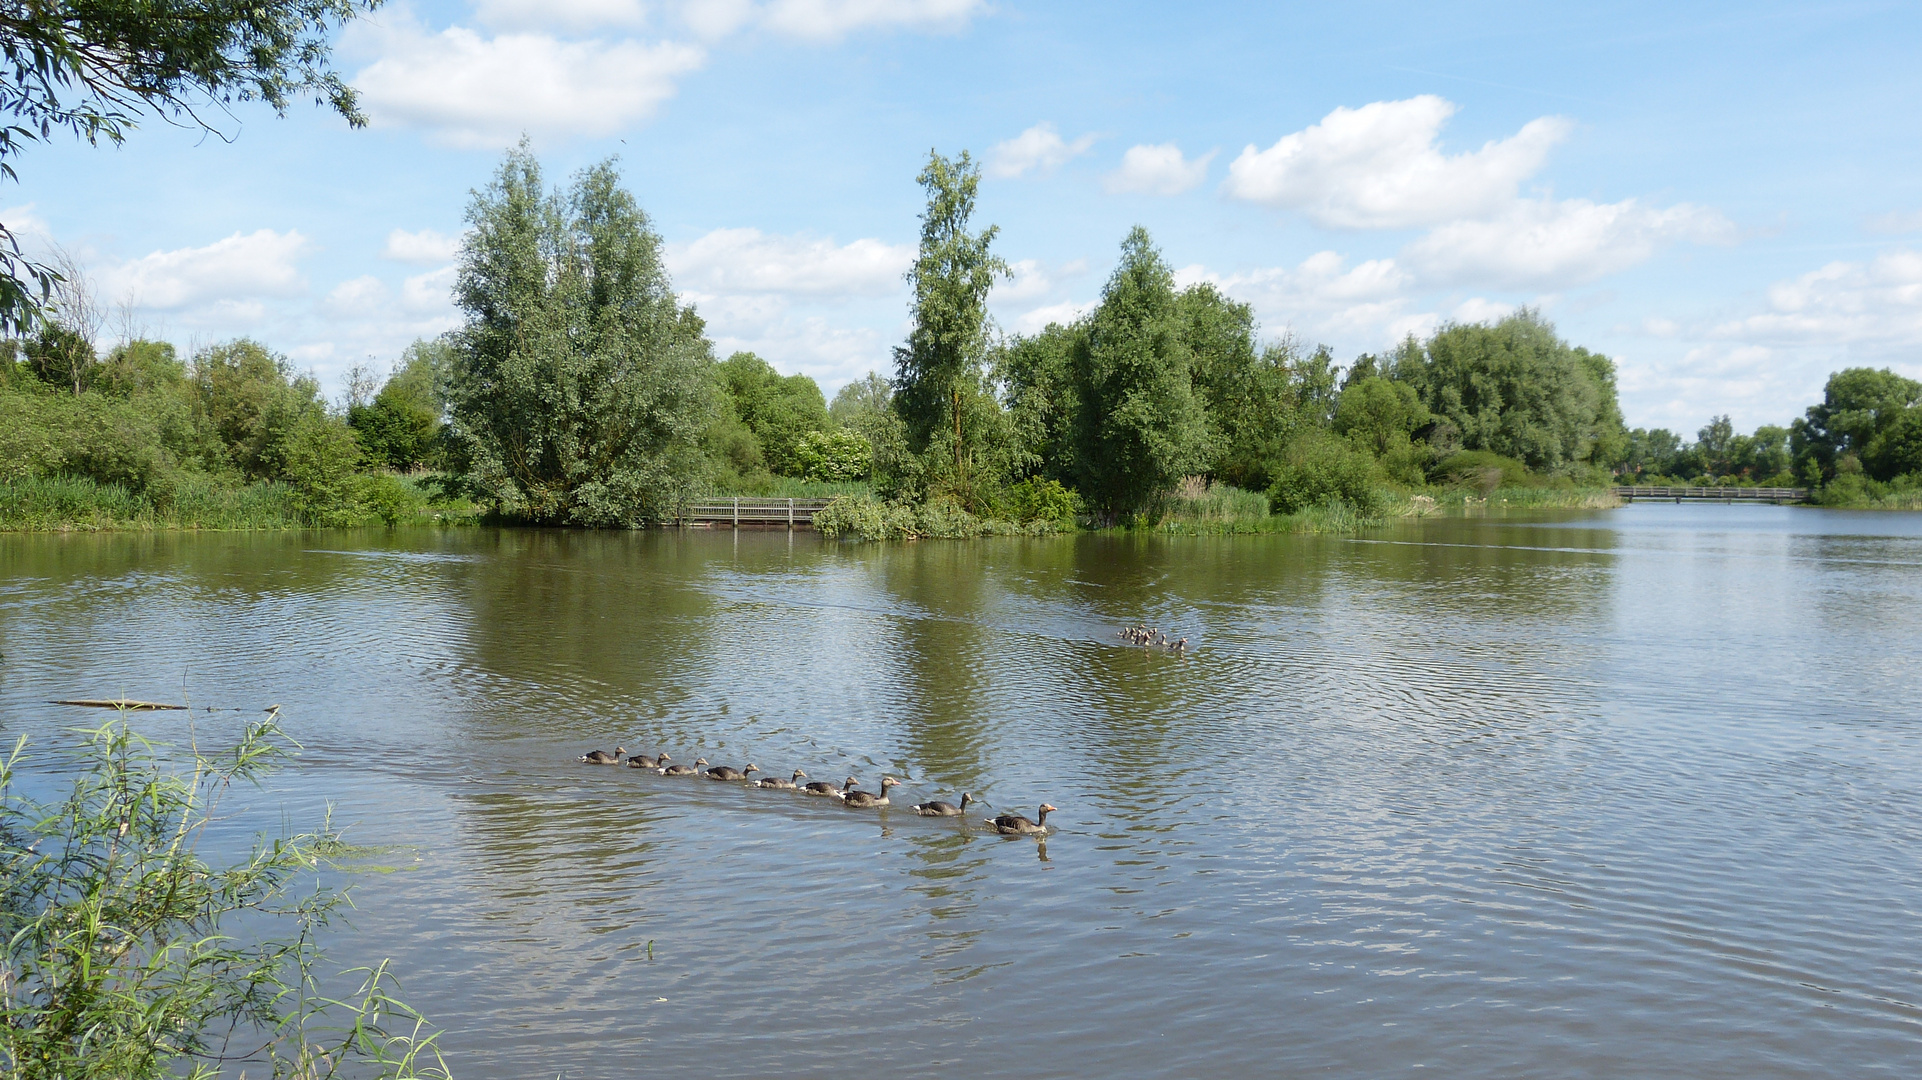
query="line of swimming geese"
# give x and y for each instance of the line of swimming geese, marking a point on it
(846, 794)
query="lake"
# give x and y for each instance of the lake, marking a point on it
(1589, 794)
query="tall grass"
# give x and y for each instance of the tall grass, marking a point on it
(1459, 500)
(1222, 509)
(1196, 501)
(186, 500)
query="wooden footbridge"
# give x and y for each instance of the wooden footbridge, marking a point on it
(741, 513)
(1714, 494)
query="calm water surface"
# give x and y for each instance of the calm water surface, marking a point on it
(1631, 793)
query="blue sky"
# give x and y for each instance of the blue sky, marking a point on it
(1725, 198)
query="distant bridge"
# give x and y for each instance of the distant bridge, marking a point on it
(744, 513)
(1714, 494)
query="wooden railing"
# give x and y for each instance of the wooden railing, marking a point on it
(1714, 494)
(744, 512)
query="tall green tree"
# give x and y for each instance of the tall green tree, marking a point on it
(581, 387)
(1896, 450)
(1857, 405)
(400, 426)
(1036, 375)
(1139, 426)
(93, 68)
(1517, 389)
(951, 418)
(1379, 415)
(857, 403)
(781, 410)
(248, 401)
(1254, 397)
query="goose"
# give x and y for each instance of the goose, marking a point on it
(822, 787)
(1015, 824)
(683, 770)
(642, 761)
(869, 798)
(777, 782)
(937, 808)
(602, 757)
(728, 772)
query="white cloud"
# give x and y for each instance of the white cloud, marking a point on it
(470, 90)
(1478, 309)
(1037, 319)
(750, 261)
(827, 20)
(1366, 306)
(1545, 244)
(1895, 222)
(717, 18)
(243, 266)
(365, 317)
(429, 292)
(27, 226)
(1875, 305)
(1379, 167)
(1764, 365)
(573, 15)
(1031, 279)
(1158, 170)
(424, 246)
(1040, 148)
(766, 325)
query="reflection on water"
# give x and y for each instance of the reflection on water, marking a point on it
(1620, 793)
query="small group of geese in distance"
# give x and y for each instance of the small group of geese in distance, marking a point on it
(846, 793)
(1149, 637)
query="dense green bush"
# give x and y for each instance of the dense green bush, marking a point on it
(110, 440)
(835, 457)
(867, 518)
(1318, 469)
(1897, 449)
(1479, 469)
(247, 400)
(1041, 499)
(1379, 415)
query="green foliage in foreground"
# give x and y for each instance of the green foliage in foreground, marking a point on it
(126, 957)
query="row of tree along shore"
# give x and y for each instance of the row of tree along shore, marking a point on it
(581, 391)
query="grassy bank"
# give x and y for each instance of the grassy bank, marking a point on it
(199, 502)
(1224, 510)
